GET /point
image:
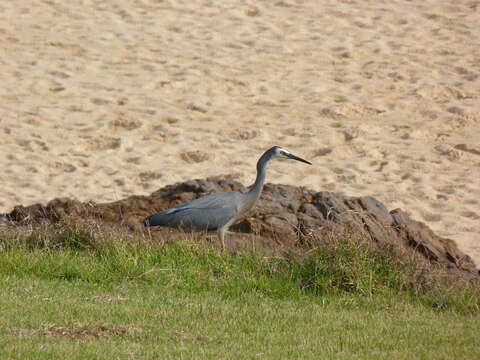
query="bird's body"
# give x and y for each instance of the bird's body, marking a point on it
(210, 212)
(218, 211)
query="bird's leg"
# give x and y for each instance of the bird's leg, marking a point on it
(221, 235)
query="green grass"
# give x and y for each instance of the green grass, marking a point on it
(76, 294)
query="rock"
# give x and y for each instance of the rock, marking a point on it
(419, 236)
(283, 213)
(311, 211)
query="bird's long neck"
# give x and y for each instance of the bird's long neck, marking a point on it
(256, 189)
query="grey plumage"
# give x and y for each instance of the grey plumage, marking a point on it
(219, 211)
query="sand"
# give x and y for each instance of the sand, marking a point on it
(104, 99)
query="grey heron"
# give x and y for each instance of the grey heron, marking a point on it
(219, 211)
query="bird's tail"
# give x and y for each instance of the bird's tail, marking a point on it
(158, 219)
(146, 221)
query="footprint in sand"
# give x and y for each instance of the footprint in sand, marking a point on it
(448, 151)
(322, 152)
(430, 217)
(103, 143)
(351, 134)
(62, 166)
(59, 74)
(442, 93)
(244, 134)
(146, 176)
(359, 110)
(134, 160)
(475, 150)
(25, 144)
(192, 157)
(121, 122)
(99, 101)
(470, 214)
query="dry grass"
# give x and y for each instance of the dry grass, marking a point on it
(338, 261)
(76, 331)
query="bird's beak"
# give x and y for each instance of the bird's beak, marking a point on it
(291, 156)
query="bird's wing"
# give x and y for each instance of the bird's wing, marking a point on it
(219, 200)
(209, 212)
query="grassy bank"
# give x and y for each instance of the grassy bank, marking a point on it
(74, 294)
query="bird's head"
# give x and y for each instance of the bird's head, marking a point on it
(281, 153)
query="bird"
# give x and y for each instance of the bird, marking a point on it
(216, 212)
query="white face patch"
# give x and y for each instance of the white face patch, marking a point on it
(281, 153)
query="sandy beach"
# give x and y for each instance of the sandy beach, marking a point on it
(102, 100)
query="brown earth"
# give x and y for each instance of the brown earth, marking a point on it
(284, 214)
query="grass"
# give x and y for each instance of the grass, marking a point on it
(72, 293)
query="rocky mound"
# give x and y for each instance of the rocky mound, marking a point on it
(283, 212)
